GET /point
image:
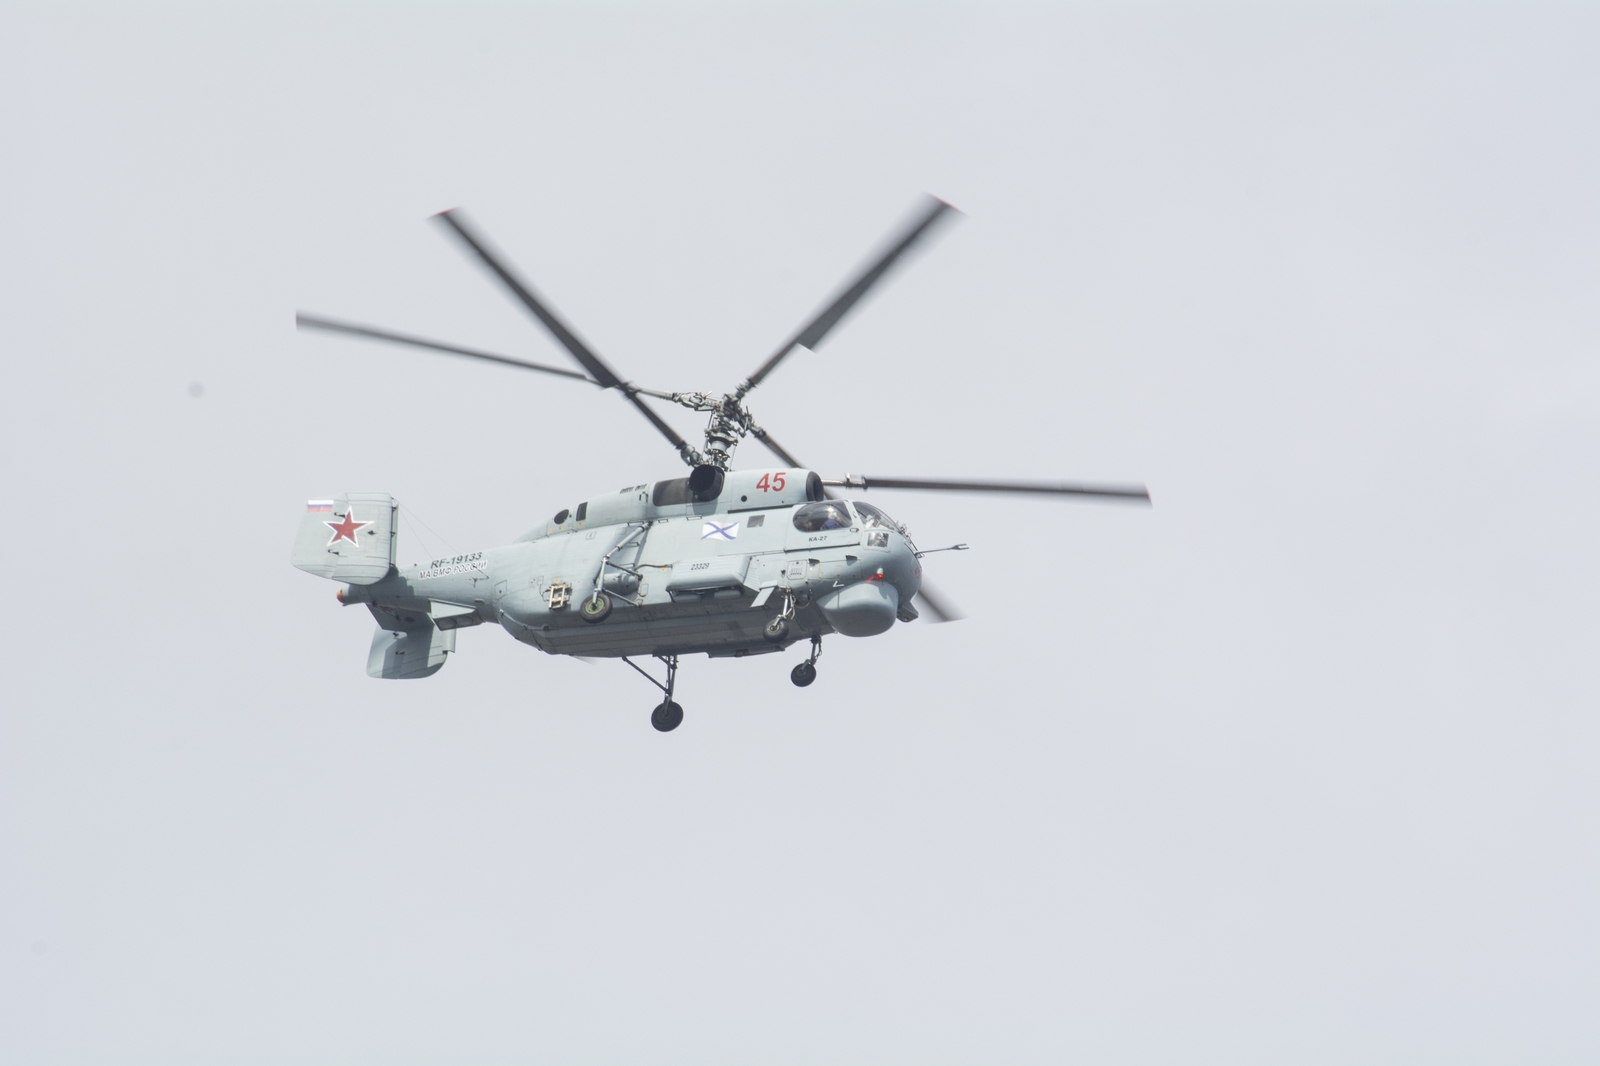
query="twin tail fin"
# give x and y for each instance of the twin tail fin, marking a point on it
(350, 538)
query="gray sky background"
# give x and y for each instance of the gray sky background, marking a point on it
(1297, 766)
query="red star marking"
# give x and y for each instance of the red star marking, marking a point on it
(345, 528)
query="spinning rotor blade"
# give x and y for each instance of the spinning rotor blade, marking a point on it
(667, 431)
(812, 333)
(599, 372)
(774, 447)
(305, 321)
(1049, 488)
(936, 606)
(558, 329)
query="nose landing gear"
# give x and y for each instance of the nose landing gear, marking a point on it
(668, 715)
(806, 672)
(777, 630)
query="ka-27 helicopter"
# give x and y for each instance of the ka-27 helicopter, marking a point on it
(723, 562)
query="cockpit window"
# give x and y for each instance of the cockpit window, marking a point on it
(827, 514)
(872, 518)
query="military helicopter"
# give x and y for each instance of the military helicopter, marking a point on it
(722, 562)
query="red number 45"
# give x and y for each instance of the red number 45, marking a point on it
(771, 482)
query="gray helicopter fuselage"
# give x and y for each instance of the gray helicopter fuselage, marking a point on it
(683, 575)
(721, 562)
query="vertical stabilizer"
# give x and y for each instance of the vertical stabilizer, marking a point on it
(407, 645)
(349, 538)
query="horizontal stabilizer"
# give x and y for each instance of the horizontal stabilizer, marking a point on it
(349, 538)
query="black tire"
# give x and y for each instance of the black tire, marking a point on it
(667, 717)
(803, 674)
(596, 608)
(777, 630)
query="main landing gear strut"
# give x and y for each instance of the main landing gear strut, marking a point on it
(777, 630)
(806, 672)
(668, 716)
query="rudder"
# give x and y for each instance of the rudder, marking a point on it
(349, 538)
(407, 645)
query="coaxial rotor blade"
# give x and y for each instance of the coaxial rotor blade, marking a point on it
(1048, 488)
(774, 447)
(602, 374)
(523, 292)
(937, 606)
(812, 333)
(684, 449)
(305, 321)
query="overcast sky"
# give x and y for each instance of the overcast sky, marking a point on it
(1296, 766)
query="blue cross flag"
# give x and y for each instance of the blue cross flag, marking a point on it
(718, 531)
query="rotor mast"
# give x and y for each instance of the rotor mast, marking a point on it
(729, 423)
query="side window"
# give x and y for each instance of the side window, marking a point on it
(872, 518)
(583, 511)
(826, 514)
(755, 521)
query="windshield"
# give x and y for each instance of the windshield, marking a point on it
(826, 514)
(872, 518)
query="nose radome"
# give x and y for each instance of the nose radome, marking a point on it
(903, 570)
(864, 609)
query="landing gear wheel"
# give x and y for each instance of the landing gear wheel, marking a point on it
(667, 717)
(596, 608)
(803, 674)
(777, 630)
